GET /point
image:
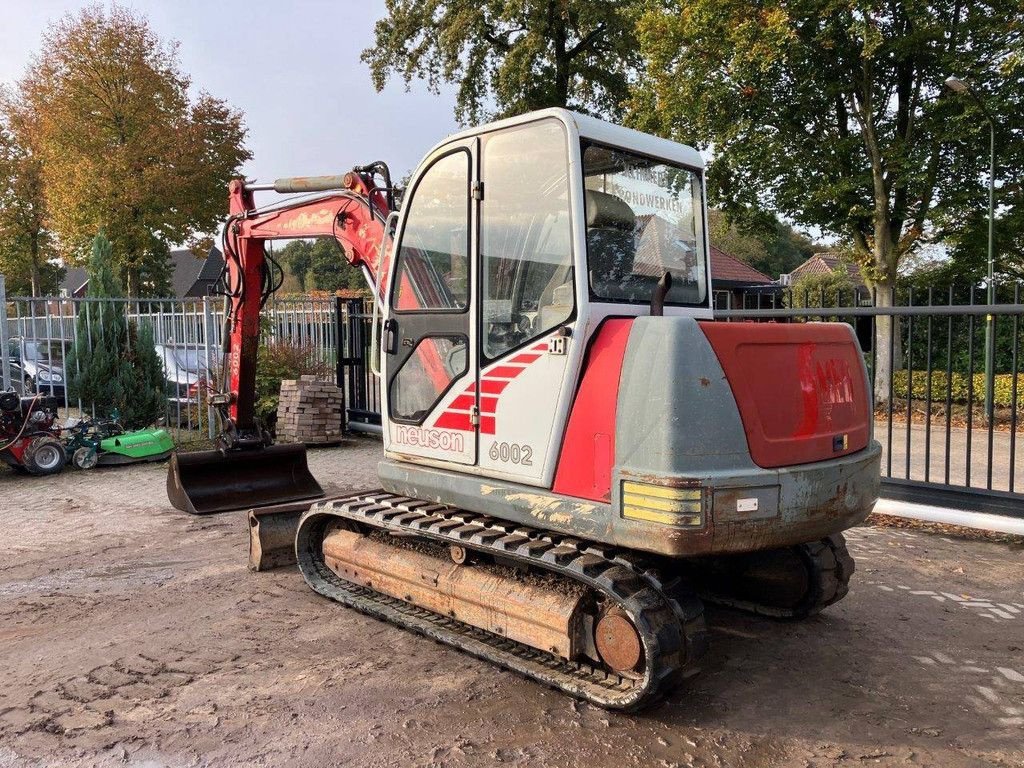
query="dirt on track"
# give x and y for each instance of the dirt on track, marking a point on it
(132, 634)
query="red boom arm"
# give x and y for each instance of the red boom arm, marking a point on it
(345, 215)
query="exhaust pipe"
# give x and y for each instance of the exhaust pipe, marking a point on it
(201, 482)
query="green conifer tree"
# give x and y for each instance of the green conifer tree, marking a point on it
(115, 367)
(146, 383)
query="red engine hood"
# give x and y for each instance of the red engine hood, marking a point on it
(800, 388)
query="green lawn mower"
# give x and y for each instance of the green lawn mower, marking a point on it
(91, 443)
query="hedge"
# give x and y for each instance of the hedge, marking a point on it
(1002, 391)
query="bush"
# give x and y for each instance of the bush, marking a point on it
(1002, 391)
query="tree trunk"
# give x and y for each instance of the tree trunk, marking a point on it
(883, 335)
(888, 343)
(35, 275)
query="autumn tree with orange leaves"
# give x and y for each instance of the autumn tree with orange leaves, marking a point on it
(121, 146)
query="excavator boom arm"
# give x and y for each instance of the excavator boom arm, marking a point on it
(352, 211)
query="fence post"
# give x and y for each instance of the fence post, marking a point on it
(339, 356)
(5, 361)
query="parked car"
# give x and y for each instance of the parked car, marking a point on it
(37, 365)
(185, 371)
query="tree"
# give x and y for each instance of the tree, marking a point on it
(297, 258)
(831, 113)
(329, 268)
(823, 289)
(509, 58)
(116, 367)
(774, 247)
(26, 247)
(122, 147)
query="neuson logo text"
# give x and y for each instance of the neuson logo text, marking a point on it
(440, 439)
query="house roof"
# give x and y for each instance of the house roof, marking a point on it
(727, 269)
(825, 263)
(75, 279)
(193, 276)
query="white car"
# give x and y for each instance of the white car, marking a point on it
(185, 370)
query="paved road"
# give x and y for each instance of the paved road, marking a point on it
(132, 634)
(1002, 449)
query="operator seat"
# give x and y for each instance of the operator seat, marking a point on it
(611, 243)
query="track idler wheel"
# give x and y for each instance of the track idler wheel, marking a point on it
(618, 643)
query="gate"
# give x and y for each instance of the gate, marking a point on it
(362, 390)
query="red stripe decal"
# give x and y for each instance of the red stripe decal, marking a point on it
(449, 420)
(542, 347)
(488, 404)
(493, 387)
(588, 451)
(462, 403)
(526, 357)
(503, 372)
(487, 425)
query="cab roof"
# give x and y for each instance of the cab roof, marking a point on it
(600, 131)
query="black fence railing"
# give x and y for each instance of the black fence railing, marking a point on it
(362, 391)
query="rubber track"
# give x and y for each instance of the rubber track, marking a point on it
(830, 566)
(671, 627)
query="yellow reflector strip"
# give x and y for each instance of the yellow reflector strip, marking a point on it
(663, 492)
(665, 505)
(653, 516)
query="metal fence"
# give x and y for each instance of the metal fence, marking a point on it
(950, 427)
(362, 389)
(39, 335)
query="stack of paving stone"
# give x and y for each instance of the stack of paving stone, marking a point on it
(309, 412)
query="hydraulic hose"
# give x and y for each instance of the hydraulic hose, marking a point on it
(24, 424)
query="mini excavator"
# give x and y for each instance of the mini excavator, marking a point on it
(577, 455)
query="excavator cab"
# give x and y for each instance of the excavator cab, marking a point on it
(517, 240)
(550, 352)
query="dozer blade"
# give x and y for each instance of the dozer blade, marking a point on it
(202, 482)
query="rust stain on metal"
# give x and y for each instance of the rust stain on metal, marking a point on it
(540, 617)
(617, 641)
(705, 381)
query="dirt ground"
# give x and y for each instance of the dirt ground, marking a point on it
(131, 633)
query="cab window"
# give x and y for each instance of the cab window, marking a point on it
(644, 219)
(433, 257)
(525, 236)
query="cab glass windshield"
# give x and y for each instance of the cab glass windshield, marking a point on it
(644, 218)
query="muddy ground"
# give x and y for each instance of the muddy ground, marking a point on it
(131, 633)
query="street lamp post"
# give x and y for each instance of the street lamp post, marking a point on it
(956, 84)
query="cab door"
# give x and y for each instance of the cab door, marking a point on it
(529, 353)
(429, 338)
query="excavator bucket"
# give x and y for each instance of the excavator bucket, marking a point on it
(201, 482)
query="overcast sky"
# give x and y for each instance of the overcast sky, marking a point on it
(293, 68)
